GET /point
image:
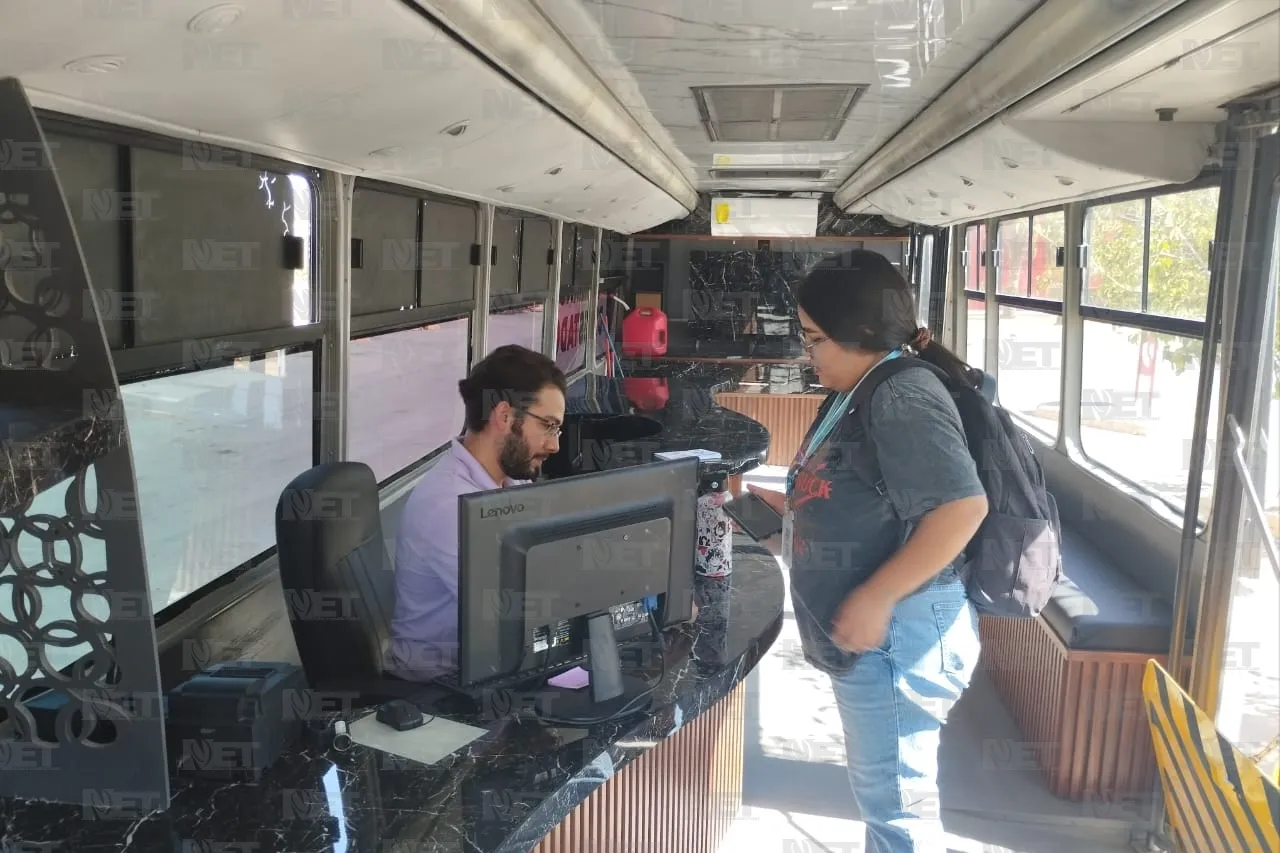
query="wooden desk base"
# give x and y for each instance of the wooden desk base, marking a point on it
(679, 797)
(786, 416)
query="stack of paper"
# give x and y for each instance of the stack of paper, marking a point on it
(429, 743)
(705, 455)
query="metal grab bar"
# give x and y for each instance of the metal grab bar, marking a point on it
(1255, 502)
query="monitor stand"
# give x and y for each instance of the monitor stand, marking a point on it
(610, 690)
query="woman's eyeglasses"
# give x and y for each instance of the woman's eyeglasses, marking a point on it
(809, 345)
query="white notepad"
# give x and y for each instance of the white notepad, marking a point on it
(427, 743)
(705, 455)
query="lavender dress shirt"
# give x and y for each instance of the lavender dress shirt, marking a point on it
(424, 628)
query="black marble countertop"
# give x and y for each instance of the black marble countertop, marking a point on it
(690, 419)
(500, 794)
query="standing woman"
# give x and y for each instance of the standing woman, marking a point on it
(876, 571)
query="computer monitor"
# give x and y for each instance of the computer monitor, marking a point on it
(538, 561)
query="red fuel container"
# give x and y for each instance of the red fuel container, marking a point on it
(648, 394)
(644, 332)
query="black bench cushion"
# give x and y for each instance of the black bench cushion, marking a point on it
(1097, 607)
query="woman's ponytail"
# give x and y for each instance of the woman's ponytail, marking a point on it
(941, 357)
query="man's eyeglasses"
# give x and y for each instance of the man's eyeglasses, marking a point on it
(550, 427)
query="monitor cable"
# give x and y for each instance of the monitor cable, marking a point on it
(628, 708)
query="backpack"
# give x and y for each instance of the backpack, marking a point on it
(1013, 563)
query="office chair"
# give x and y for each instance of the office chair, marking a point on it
(338, 585)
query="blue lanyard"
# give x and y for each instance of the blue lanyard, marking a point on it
(829, 421)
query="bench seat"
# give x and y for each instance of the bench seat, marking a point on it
(1072, 678)
(1098, 607)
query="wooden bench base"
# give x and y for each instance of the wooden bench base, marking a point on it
(1080, 712)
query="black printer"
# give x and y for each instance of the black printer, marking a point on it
(233, 719)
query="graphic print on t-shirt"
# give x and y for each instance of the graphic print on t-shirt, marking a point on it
(810, 485)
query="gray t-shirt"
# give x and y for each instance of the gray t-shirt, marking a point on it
(844, 528)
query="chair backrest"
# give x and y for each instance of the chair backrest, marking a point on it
(339, 588)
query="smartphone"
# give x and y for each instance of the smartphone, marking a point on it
(756, 518)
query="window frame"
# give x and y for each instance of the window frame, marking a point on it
(541, 293)
(136, 363)
(164, 615)
(508, 301)
(419, 315)
(1068, 439)
(177, 621)
(1145, 320)
(437, 450)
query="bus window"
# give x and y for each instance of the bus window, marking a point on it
(1012, 237)
(975, 286)
(1182, 226)
(924, 280)
(1029, 370)
(297, 222)
(1113, 233)
(211, 429)
(1141, 370)
(402, 394)
(976, 332)
(1048, 235)
(521, 326)
(975, 244)
(212, 450)
(402, 383)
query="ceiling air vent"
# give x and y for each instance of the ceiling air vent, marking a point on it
(791, 113)
(768, 174)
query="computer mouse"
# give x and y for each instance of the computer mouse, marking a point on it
(400, 714)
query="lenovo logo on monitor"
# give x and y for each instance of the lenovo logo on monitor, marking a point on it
(501, 511)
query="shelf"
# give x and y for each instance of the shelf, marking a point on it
(42, 445)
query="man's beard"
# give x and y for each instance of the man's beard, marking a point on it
(515, 460)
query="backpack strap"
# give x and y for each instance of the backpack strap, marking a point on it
(823, 408)
(870, 471)
(868, 467)
(881, 372)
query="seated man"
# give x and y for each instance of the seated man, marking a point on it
(515, 401)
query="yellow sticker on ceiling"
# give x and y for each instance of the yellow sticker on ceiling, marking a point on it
(722, 213)
(722, 160)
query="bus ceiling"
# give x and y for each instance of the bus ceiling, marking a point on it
(1142, 113)
(621, 117)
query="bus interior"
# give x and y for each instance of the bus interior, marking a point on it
(1083, 194)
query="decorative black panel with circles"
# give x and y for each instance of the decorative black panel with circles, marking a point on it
(79, 678)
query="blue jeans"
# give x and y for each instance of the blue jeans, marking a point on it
(893, 703)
